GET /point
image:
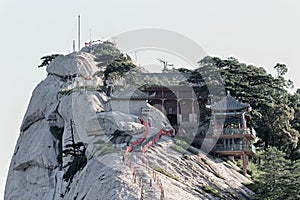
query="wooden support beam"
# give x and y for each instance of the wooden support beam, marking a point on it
(245, 163)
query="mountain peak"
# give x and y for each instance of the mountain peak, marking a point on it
(75, 143)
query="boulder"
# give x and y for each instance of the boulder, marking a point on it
(74, 64)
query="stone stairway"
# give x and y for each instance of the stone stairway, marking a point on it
(145, 177)
(150, 190)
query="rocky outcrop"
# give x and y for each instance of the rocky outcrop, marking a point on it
(74, 64)
(67, 116)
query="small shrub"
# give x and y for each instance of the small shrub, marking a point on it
(177, 148)
(158, 169)
(199, 191)
(204, 160)
(77, 164)
(194, 150)
(76, 151)
(213, 191)
(106, 149)
(232, 195)
(239, 163)
(187, 157)
(181, 143)
(66, 91)
(252, 170)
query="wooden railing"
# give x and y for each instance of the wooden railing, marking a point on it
(154, 175)
(139, 140)
(157, 136)
(235, 147)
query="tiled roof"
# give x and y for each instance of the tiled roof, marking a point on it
(228, 103)
(129, 93)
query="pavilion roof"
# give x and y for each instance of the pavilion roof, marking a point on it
(228, 103)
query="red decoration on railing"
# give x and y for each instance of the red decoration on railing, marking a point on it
(139, 140)
(157, 136)
(137, 179)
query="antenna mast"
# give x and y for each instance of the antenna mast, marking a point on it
(90, 35)
(73, 45)
(78, 32)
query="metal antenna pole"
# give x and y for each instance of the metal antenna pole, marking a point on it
(135, 55)
(78, 32)
(91, 35)
(73, 45)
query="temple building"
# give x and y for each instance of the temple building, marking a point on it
(130, 100)
(178, 103)
(232, 132)
(169, 92)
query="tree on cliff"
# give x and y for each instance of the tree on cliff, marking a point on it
(47, 59)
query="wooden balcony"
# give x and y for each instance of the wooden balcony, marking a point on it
(235, 150)
(228, 133)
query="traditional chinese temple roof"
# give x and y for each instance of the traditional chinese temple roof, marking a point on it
(228, 103)
(131, 93)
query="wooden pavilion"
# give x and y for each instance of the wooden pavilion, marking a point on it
(232, 132)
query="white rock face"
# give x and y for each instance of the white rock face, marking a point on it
(80, 64)
(112, 121)
(34, 159)
(36, 172)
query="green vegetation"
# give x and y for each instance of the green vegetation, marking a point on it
(194, 150)
(77, 164)
(213, 191)
(47, 59)
(278, 177)
(199, 191)
(106, 149)
(118, 68)
(178, 149)
(273, 108)
(66, 91)
(70, 91)
(187, 157)
(184, 145)
(275, 112)
(232, 195)
(76, 152)
(158, 169)
(105, 53)
(204, 160)
(275, 115)
(239, 163)
(253, 170)
(181, 143)
(117, 64)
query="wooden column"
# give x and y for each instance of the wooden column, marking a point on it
(244, 121)
(177, 111)
(245, 163)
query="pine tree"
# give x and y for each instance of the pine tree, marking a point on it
(278, 178)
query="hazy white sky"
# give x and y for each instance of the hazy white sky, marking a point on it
(259, 32)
